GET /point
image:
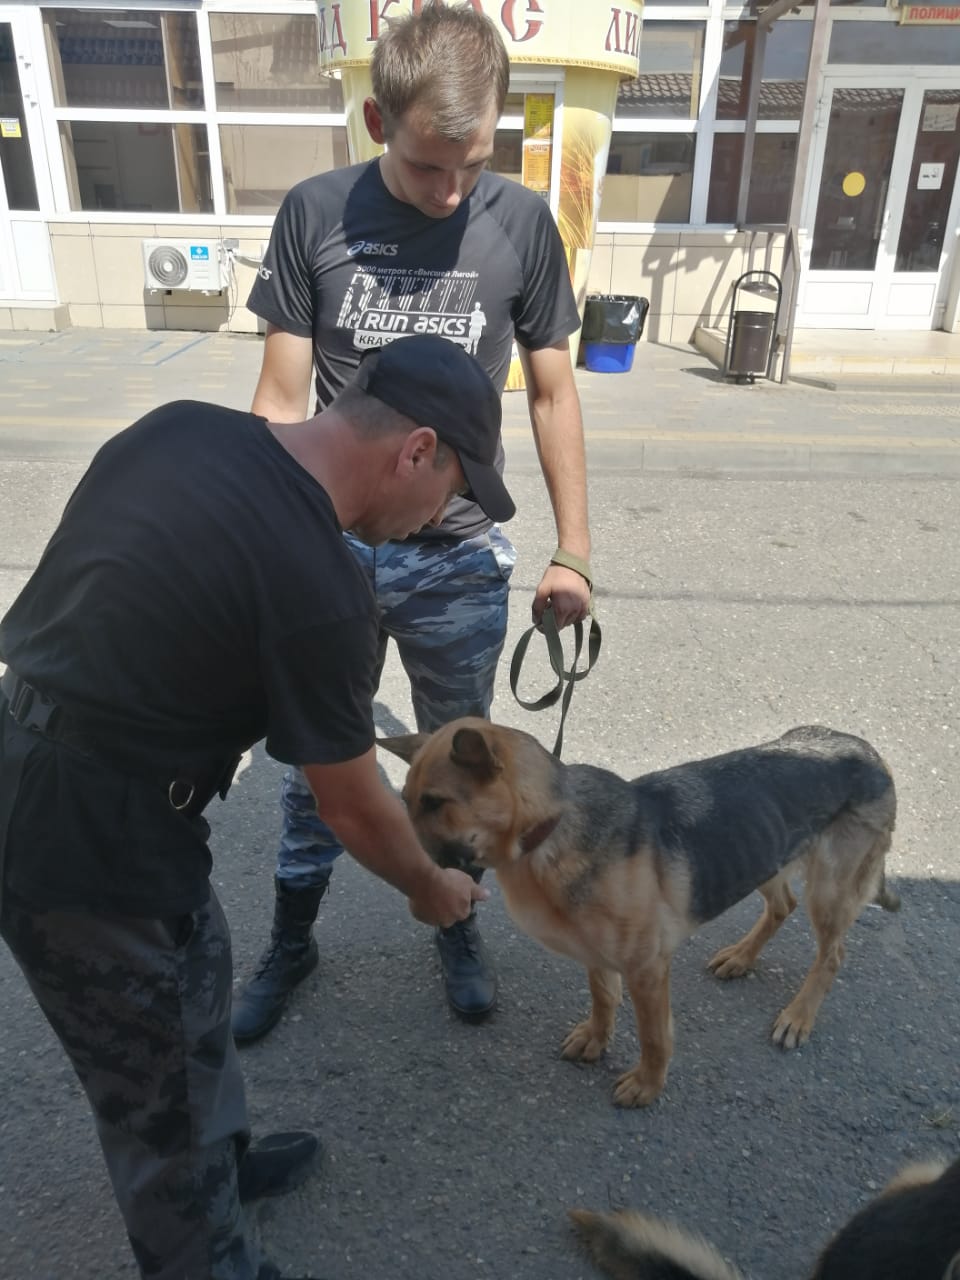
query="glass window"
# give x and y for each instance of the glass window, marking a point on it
(784, 70)
(768, 200)
(858, 160)
(155, 168)
(507, 157)
(16, 169)
(649, 178)
(671, 70)
(860, 42)
(927, 207)
(261, 162)
(123, 58)
(263, 63)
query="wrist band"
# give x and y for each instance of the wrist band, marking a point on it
(567, 560)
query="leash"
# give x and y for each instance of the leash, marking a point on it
(566, 679)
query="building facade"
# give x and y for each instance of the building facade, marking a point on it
(145, 147)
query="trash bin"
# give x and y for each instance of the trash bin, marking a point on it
(751, 332)
(750, 342)
(612, 325)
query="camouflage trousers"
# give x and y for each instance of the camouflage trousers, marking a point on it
(142, 1008)
(445, 606)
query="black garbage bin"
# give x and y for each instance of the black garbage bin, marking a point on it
(751, 332)
(750, 342)
(612, 325)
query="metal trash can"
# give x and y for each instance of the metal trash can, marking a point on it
(750, 343)
(612, 325)
(751, 333)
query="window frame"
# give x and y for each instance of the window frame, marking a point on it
(209, 116)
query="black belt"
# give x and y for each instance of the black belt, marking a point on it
(34, 710)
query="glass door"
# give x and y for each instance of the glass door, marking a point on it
(933, 175)
(26, 267)
(884, 179)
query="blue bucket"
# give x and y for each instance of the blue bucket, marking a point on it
(609, 357)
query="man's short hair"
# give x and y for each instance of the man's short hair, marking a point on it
(449, 61)
(372, 419)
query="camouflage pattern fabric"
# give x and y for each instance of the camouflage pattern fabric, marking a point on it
(445, 605)
(142, 1008)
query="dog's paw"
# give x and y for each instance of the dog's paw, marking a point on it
(730, 962)
(584, 1043)
(792, 1028)
(637, 1088)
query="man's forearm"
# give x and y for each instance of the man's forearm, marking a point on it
(559, 435)
(379, 836)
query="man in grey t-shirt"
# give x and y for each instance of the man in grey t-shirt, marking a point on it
(423, 240)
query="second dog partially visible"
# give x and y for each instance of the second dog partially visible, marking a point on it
(911, 1231)
(616, 874)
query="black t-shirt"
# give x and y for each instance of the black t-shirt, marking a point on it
(353, 268)
(196, 597)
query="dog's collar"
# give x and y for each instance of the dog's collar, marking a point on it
(531, 839)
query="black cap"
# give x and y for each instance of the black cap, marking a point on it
(437, 384)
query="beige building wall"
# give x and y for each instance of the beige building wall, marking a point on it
(688, 277)
(99, 271)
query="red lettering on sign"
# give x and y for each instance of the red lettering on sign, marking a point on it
(509, 21)
(629, 40)
(378, 11)
(334, 39)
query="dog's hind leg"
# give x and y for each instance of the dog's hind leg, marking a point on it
(843, 874)
(588, 1039)
(778, 902)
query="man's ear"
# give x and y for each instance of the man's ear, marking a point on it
(373, 119)
(419, 449)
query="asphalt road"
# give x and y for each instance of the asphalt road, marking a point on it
(732, 609)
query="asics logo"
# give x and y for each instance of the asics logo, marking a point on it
(264, 273)
(372, 249)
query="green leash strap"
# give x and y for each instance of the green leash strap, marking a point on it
(565, 679)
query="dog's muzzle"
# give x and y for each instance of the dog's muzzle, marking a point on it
(458, 855)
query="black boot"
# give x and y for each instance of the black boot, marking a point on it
(277, 1164)
(468, 971)
(290, 956)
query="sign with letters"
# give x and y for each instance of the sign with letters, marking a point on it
(571, 33)
(930, 177)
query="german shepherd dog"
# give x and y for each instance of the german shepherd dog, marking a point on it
(911, 1231)
(616, 874)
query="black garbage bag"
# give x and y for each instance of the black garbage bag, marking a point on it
(613, 317)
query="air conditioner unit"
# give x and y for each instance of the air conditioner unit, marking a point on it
(183, 264)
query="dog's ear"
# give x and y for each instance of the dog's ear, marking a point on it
(472, 751)
(406, 745)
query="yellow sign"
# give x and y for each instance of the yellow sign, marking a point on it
(572, 33)
(537, 146)
(930, 14)
(854, 184)
(538, 115)
(10, 128)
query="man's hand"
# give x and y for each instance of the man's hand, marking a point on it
(447, 896)
(566, 591)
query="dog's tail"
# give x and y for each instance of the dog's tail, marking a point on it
(632, 1246)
